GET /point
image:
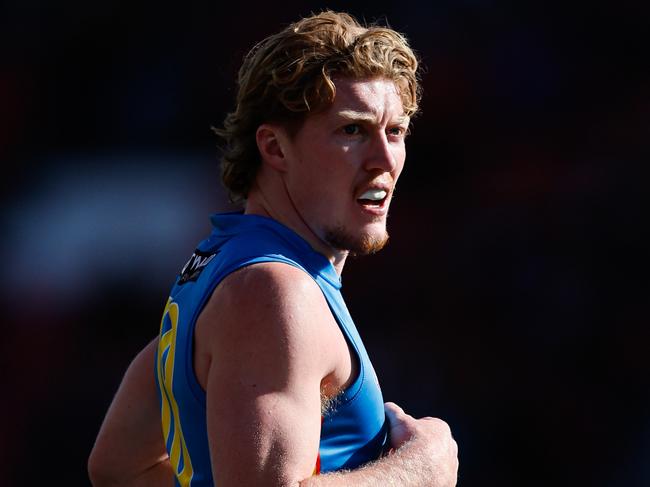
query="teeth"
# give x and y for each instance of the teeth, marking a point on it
(373, 195)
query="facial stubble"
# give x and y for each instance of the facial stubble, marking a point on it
(364, 244)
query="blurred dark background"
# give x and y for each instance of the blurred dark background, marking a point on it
(512, 300)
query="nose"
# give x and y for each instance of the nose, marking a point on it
(383, 155)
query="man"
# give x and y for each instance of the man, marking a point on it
(259, 376)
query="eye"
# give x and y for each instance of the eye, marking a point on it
(352, 129)
(397, 131)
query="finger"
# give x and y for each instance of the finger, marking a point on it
(394, 413)
(391, 407)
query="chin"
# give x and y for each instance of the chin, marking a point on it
(362, 243)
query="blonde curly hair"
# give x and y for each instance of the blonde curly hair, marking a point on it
(289, 75)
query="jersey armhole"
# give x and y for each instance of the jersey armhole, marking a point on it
(347, 395)
(197, 390)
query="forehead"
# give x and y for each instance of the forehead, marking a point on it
(376, 96)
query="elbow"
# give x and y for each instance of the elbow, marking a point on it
(99, 471)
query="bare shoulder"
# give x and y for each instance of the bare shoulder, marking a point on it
(270, 289)
(266, 310)
(283, 283)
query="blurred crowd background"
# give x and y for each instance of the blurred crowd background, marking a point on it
(512, 300)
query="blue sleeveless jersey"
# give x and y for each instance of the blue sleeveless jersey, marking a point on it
(353, 432)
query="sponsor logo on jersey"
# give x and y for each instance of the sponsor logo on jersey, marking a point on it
(193, 268)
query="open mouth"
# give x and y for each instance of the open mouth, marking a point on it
(373, 198)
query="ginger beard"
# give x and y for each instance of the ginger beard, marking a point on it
(368, 240)
(338, 237)
(365, 244)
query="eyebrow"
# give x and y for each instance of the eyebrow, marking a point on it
(354, 115)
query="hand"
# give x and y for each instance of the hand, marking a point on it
(432, 437)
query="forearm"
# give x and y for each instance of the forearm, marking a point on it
(405, 467)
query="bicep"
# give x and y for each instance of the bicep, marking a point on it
(262, 435)
(264, 383)
(130, 439)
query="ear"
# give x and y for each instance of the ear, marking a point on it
(271, 142)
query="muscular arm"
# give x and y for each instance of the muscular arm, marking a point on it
(264, 327)
(129, 450)
(270, 335)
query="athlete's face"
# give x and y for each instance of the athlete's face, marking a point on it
(344, 163)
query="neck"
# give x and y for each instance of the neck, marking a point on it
(284, 212)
